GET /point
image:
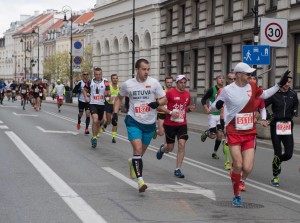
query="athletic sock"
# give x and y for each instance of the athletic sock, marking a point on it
(137, 163)
(87, 122)
(79, 119)
(217, 144)
(227, 152)
(114, 134)
(235, 178)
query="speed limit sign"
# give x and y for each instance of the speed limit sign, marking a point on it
(273, 32)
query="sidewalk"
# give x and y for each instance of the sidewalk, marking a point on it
(198, 122)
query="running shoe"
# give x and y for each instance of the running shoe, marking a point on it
(215, 156)
(78, 126)
(178, 173)
(242, 186)
(154, 135)
(160, 153)
(142, 186)
(94, 142)
(131, 169)
(204, 136)
(275, 182)
(59, 110)
(237, 201)
(86, 131)
(276, 164)
(227, 166)
(113, 140)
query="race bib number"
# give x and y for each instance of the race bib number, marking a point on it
(36, 90)
(141, 110)
(180, 117)
(23, 91)
(244, 121)
(98, 97)
(283, 128)
(13, 91)
(41, 94)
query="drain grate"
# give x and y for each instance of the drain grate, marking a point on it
(246, 205)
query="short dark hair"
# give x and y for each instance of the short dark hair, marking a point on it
(139, 61)
(113, 75)
(168, 77)
(97, 69)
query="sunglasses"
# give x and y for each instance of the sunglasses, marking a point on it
(85, 74)
(232, 79)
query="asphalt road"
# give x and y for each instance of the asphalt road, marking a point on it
(49, 173)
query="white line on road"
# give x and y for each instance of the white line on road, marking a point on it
(56, 131)
(217, 171)
(82, 209)
(180, 187)
(3, 127)
(1, 122)
(24, 115)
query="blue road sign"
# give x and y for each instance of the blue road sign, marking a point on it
(256, 54)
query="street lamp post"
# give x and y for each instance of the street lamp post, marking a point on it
(133, 37)
(24, 55)
(38, 59)
(66, 9)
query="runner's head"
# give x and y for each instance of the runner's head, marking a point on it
(114, 78)
(58, 81)
(142, 67)
(98, 73)
(243, 72)
(85, 76)
(230, 78)
(169, 82)
(220, 80)
(181, 82)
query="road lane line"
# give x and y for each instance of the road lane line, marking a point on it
(3, 127)
(213, 169)
(82, 209)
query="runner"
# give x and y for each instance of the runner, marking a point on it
(2, 90)
(23, 89)
(42, 87)
(239, 99)
(215, 130)
(60, 92)
(13, 87)
(82, 104)
(94, 93)
(175, 124)
(109, 106)
(284, 107)
(145, 95)
(161, 115)
(36, 95)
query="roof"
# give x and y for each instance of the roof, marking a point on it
(40, 20)
(85, 18)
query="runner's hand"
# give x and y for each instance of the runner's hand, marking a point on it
(114, 119)
(153, 105)
(284, 78)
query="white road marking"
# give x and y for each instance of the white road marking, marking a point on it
(24, 115)
(9, 106)
(54, 131)
(223, 173)
(3, 127)
(1, 122)
(82, 209)
(181, 187)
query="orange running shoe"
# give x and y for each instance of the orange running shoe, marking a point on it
(242, 186)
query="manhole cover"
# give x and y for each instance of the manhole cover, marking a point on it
(229, 204)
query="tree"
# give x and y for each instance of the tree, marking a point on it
(57, 67)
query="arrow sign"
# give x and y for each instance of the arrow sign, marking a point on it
(54, 131)
(24, 114)
(179, 187)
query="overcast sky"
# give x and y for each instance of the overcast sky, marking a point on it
(11, 10)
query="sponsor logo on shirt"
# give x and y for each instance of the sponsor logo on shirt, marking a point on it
(176, 98)
(148, 85)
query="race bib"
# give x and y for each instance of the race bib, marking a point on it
(244, 121)
(36, 90)
(98, 98)
(180, 117)
(41, 94)
(141, 110)
(283, 128)
(23, 91)
(60, 97)
(13, 91)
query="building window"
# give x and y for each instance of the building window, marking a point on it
(195, 69)
(273, 3)
(297, 62)
(169, 22)
(169, 64)
(182, 18)
(181, 62)
(195, 13)
(211, 12)
(211, 65)
(229, 9)
(228, 58)
(250, 6)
